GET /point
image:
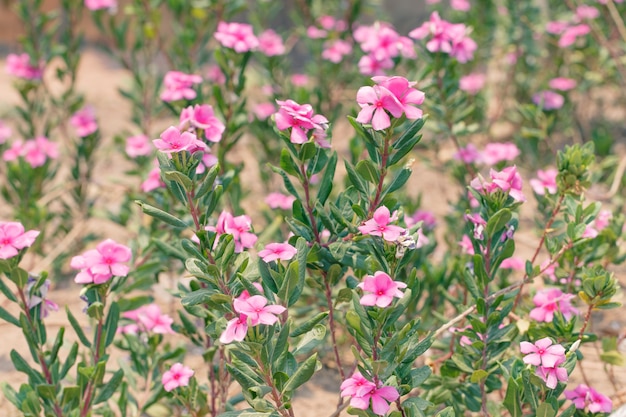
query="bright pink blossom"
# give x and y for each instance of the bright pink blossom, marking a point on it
(403, 90)
(334, 51)
(138, 145)
(508, 181)
(562, 83)
(552, 375)
(381, 41)
(300, 118)
(179, 85)
(277, 251)
(257, 310)
(203, 117)
(587, 12)
(583, 395)
(545, 181)
(239, 227)
(153, 181)
(549, 301)
(379, 398)
(13, 238)
(281, 201)
(437, 28)
(381, 288)
(472, 83)
(355, 386)
(237, 36)
(37, 151)
(177, 376)
(548, 100)
(515, 263)
(463, 47)
(498, 152)
(369, 65)
(150, 319)
(236, 330)
(94, 5)
(543, 353)
(20, 66)
(172, 140)
(375, 102)
(379, 225)
(84, 121)
(270, 43)
(101, 264)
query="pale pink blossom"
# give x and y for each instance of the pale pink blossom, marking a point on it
(179, 85)
(138, 145)
(14, 151)
(515, 263)
(177, 376)
(437, 29)
(587, 12)
(583, 396)
(237, 36)
(590, 232)
(40, 298)
(545, 181)
(37, 151)
(468, 154)
(552, 375)
(13, 238)
(428, 219)
(313, 32)
(172, 140)
(548, 100)
(334, 51)
(101, 264)
(270, 43)
(281, 201)
(257, 310)
(263, 111)
(203, 117)
(562, 83)
(299, 80)
(463, 47)
(507, 181)
(94, 5)
(466, 245)
(461, 5)
(479, 224)
(603, 219)
(300, 118)
(153, 181)
(375, 102)
(379, 225)
(543, 353)
(380, 289)
(472, 83)
(239, 227)
(369, 65)
(208, 160)
(215, 75)
(381, 42)
(570, 34)
(84, 121)
(5, 132)
(236, 330)
(20, 66)
(498, 152)
(150, 319)
(277, 251)
(403, 90)
(556, 27)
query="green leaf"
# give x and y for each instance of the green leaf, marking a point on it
(512, 399)
(21, 365)
(398, 180)
(326, 184)
(355, 179)
(77, 328)
(498, 221)
(419, 375)
(614, 358)
(110, 325)
(8, 317)
(406, 142)
(545, 410)
(311, 340)
(309, 324)
(69, 361)
(446, 412)
(110, 387)
(70, 397)
(179, 178)
(368, 171)
(303, 374)
(161, 215)
(288, 164)
(47, 391)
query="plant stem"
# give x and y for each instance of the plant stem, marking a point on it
(383, 172)
(586, 322)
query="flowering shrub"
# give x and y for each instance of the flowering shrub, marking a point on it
(320, 263)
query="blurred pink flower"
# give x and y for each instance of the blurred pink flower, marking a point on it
(466, 245)
(257, 310)
(583, 395)
(153, 181)
(570, 34)
(101, 264)
(562, 83)
(281, 201)
(21, 67)
(380, 289)
(179, 85)
(428, 218)
(479, 224)
(514, 263)
(545, 181)
(40, 297)
(37, 151)
(263, 111)
(556, 27)
(177, 376)
(548, 100)
(472, 83)
(461, 5)
(508, 181)
(369, 65)
(499, 152)
(299, 80)
(379, 225)
(5, 132)
(552, 375)
(101, 4)
(150, 319)
(334, 51)
(208, 161)
(138, 145)
(586, 12)
(13, 238)
(215, 75)
(237, 36)
(172, 140)
(468, 154)
(84, 121)
(381, 42)
(437, 28)
(270, 43)
(549, 301)
(203, 117)
(277, 251)
(603, 219)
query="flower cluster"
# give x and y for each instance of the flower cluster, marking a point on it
(239, 227)
(545, 181)
(202, 117)
(492, 154)
(382, 44)
(583, 396)
(381, 289)
(507, 181)
(237, 36)
(84, 122)
(147, 318)
(547, 358)
(365, 393)
(179, 85)
(446, 37)
(277, 251)
(177, 376)
(35, 152)
(549, 301)
(172, 140)
(20, 66)
(393, 95)
(379, 225)
(301, 120)
(13, 238)
(253, 310)
(99, 265)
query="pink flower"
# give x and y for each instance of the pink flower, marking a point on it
(203, 117)
(479, 224)
(257, 310)
(177, 376)
(381, 289)
(548, 100)
(562, 83)
(468, 155)
(543, 353)
(300, 118)
(270, 43)
(381, 42)
(84, 121)
(578, 396)
(138, 145)
(583, 395)
(281, 201)
(437, 28)
(403, 90)
(466, 245)
(37, 151)
(586, 12)
(13, 238)
(172, 140)
(313, 32)
(572, 33)
(299, 80)
(101, 264)
(375, 102)
(515, 263)
(150, 319)
(603, 219)
(239, 227)
(94, 5)
(276, 251)
(380, 399)
(179, 85)
(215, 75)
(552, 376)
(379, 225)
(508, 181)
(547, 302)
(153, 181)
(369, 65)
(461, 5)
(20, 66)
(263, 111)
(556, 27)
(356, 384)
(472, 83)
(545, 181)
(428, 218)
(40, 298)
(463, 46)
(236, 330)
(334, 51)
(5, 132)
(498, 152)
(15, 151)
(237, 36)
